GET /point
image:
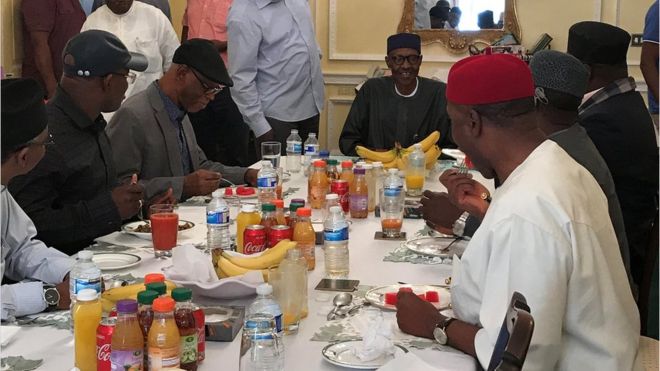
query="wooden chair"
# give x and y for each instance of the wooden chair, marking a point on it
(514, 338)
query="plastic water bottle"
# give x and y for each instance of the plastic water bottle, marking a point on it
(311, 148)
(265, 303)
(85, 274)
(392, 202)
(217, 223)
(416, 171)
(261, 347)
(335, 232)
(267, 183)
(293, 151)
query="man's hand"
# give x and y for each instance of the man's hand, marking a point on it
(416, 316)
(63, 290)
(200, 183)
(268, 136)
(466, 193)
(439, 212)
(250, 177)
(166, 197)
(128, 199)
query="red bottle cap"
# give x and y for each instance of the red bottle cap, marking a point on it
(153, 277)
(304, 211)
(279, 204)
(163, 304)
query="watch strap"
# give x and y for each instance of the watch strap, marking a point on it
(459, 225)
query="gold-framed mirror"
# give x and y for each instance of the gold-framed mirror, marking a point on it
(458, 23)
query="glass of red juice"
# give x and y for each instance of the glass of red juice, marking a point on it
(164, 229)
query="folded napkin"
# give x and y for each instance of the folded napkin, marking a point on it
(191, 264)
(376, 334)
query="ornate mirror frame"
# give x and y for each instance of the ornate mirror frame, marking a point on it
(459, 41)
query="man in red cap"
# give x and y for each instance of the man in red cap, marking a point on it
(546, 234)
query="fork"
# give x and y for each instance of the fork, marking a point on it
(462, 167)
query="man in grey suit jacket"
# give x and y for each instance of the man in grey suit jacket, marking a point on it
(151, 134)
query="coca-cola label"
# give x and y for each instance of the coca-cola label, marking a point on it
(250, 247)
(103, 353)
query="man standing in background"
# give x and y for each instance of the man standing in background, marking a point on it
(163, 5)
(274, 61)
(649, 59)
(47, 26)
(219, 128)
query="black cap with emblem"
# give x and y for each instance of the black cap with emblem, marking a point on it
(203, 56)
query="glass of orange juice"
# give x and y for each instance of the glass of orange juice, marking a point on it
(391, 211)
(164, 229)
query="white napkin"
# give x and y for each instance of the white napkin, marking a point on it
(191, 264)
(408, 361)
(376, 334)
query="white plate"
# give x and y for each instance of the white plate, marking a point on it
(455, 153)
(442, 247)
(341, 354)
(376, 296)
(109, 261)
(130, 229)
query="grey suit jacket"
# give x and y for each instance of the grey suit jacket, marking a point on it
(144, 142)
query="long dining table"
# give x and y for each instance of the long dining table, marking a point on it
(56, 346)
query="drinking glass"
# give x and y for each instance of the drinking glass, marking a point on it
(164, 229)
(271, 151)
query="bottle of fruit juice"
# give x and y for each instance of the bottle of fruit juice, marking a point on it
(127, 346)
(317, 186)
(164, 340)
(305, 236)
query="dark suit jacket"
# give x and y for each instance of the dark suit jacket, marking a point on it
(144, 142)
(622, 130)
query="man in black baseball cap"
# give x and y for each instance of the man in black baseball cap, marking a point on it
(152, 136)
(73, 195)
(24, 138)
(617, 121)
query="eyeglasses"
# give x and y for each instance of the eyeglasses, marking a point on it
(412, 59)
(47, 142)
(207, 89)
(130, 77)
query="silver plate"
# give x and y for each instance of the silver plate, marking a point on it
(341, 354)
(109, 261)
(442, 247)
(376, 296)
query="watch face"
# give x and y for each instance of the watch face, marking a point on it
(52, 296)
(440, 336)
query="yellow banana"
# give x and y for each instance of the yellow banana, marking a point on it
(389, 165)
(432, 156)
(368, 154)
(108, 305)
(429, 141)
(229, 269)
(270, 257)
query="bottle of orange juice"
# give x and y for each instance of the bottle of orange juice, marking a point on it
(305, 236)
(164, 340)
(359, 195)
(279, 212)
(317, 186)
(415, 171)
(127, 345)
(248, 216)
(86, 317)
(347, 171)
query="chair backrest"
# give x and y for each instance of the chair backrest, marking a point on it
(514, 337)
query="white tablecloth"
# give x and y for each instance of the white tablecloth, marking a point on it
(56, 347)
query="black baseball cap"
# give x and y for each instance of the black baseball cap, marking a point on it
(98, 53)
(24, 114)
(203, 56)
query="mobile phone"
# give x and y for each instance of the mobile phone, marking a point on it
(331, 284)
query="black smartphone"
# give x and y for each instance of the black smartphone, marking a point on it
(330, 284)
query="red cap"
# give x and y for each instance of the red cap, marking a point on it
(346, 164)
(279, 204)
(319, 163)
(304, 211)
(488, 79)
(153, 277)
(163, 304)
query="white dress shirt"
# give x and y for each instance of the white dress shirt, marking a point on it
(143, 29)
(26, 258)
(547, 235)
(274, 61)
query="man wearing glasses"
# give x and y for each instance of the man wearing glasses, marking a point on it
(151, 134)
(402, 108)
(41, 273)
(72, 195)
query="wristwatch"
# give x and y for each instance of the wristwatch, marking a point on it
(459, 225)
(51, 297)
(440, 330)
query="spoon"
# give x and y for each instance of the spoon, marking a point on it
(340, 300)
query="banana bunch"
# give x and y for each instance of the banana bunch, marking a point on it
(110, 297)
(229, 265)
(397, 156)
